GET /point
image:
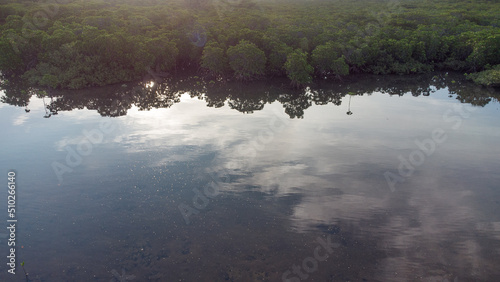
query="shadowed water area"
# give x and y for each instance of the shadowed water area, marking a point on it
(374, 178)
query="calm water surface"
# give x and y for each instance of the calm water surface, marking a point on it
(257, 182)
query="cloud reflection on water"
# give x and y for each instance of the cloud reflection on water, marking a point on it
(435, 225)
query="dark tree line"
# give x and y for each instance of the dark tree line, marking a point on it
(116, 100)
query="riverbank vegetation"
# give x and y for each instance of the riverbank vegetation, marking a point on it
(489, 77)
(79, 44)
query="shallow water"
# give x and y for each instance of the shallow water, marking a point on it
(157, 186)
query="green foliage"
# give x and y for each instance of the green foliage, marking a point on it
(327, 61)
(49, 80)
(165, 52)
(323, 57)
(10, 61)
(214, 59)
(246, 60)
(487, 77)
(485, 49)
(298, 69)
(340, 67)
(277, 57)
(88, 43)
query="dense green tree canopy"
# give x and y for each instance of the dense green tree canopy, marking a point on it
(327, 60)
(214, 59)
(77, 44)
(297, 68)
(246, 60)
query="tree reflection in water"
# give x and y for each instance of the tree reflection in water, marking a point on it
(115, 101)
